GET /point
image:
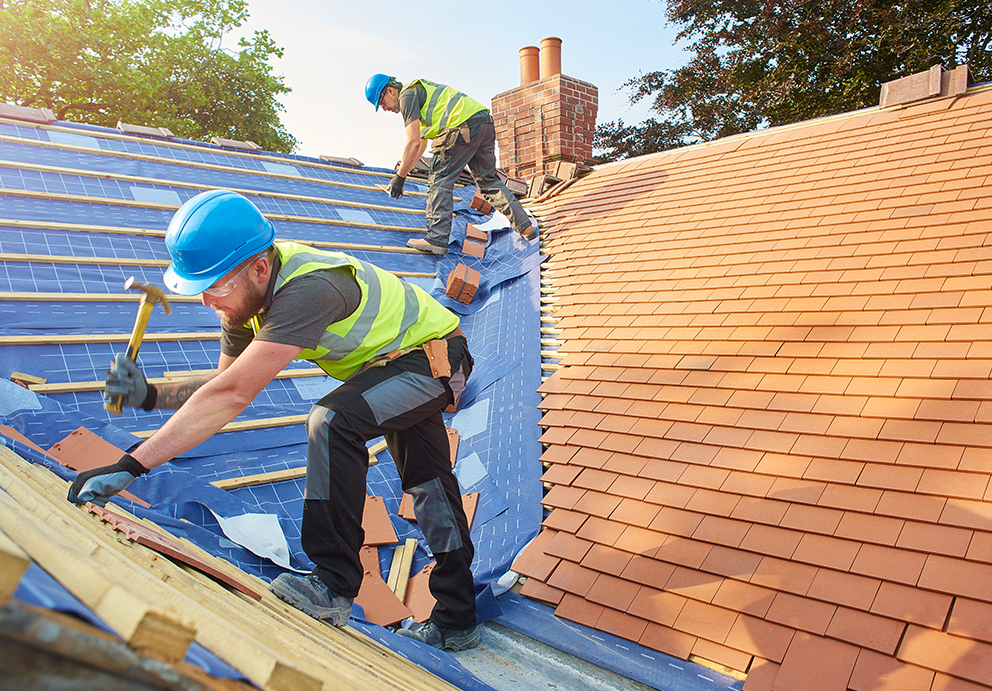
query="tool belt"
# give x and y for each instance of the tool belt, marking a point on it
(436, 351)
(446, 139)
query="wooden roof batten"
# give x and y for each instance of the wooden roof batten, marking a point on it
(768, 446)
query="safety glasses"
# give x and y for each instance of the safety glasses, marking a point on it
(228, 286)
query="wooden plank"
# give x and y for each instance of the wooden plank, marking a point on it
(108, 201)
(286, 474)
(145, 627)
(272, 643)
(406, 563)
(13, 563)
(63, 387)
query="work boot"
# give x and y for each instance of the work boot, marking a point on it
(445, 639)
(528, 233)
(424, 246)
(312, 596)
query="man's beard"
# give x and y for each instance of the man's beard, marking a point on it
(252, 304)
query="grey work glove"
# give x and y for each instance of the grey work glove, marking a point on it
(100, 484)
(396, 186)
(125, 379)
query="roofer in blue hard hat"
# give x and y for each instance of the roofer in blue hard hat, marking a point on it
(463, 134)
(403, 360)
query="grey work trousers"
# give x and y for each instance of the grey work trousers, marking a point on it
(403, 402)
(480, 156)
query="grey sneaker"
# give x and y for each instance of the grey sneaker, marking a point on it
(313, 597)
(424, 246)
(445, 639)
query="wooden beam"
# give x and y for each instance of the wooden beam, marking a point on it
(280, 475)
(145, 627)
(78, 387)
(52, 196)
(273, 644)
(13, 563)
(61, 170)
(406, 563)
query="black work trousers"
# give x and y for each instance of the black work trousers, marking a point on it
(403, 402)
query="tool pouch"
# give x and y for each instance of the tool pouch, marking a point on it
(447, 139)
(437, 355)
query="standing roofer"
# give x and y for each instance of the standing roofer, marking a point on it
(463, 133)
(280, 301)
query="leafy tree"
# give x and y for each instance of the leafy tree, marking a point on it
(151, 62)
(757, 63)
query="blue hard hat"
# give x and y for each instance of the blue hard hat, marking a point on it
(374, 87)
(211, 234)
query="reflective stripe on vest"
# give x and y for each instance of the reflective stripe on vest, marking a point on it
(445, 107)
(392, 313)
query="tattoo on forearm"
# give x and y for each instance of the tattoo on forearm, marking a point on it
(172, 396)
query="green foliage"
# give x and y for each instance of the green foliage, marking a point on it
(157, 63)
(758, 63)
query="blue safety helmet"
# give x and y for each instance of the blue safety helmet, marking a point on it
(374, 87)
(211, 234)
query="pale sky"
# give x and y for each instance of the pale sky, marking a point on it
(332, 47)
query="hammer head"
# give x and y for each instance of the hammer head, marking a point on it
(149, 293)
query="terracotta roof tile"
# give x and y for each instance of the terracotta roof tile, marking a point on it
(538, 590)
(816, 664)
(563, 519)
(875, 672)
(814, 519)
(761, 638)
(657, 606)
(923, 537)
(787, 576)
(575, 608)
(889, 564)
(866, 630)
(601, 530)
(614, 593)
(640, 541)
(844, 589)
(949, 654)
(912, 605)
(567, 546)
(764, 539)
(572, 578)
(971, 619)
(957, 577)
(668, 641)
(801, 613)
(825, 551)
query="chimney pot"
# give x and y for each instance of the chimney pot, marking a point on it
(529, 64)
(550, 57)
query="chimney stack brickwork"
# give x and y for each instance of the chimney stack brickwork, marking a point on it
(540, 123)
(547, 120)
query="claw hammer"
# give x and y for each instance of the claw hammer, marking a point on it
(149, 296)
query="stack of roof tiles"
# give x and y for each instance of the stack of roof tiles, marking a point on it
(770, 442)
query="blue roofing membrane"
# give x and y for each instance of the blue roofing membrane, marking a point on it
(89, 192)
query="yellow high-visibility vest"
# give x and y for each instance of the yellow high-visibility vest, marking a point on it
(392, 314)
(445, 107)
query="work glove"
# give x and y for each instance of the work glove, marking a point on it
(125, 379)
(396, 186)
(100, 484)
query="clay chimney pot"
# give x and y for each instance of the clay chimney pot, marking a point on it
(529, 64)
(550, 57)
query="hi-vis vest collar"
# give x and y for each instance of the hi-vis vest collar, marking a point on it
(445, 107)
(392, 314)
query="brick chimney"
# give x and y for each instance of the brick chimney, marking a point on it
(547, 119)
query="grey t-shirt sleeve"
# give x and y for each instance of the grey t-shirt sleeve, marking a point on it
(301, 311)
(411, 101)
